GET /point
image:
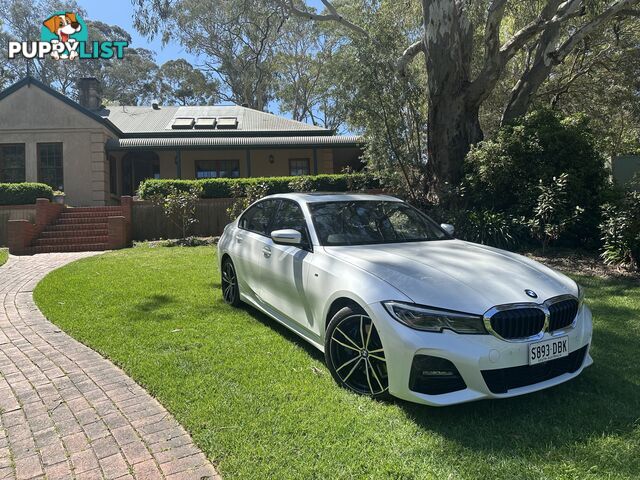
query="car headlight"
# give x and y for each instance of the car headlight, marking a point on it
(433, 319)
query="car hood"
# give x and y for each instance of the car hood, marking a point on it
(457, 275)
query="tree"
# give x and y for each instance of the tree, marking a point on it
(235, 38)
(305, 71)
(181, 84)
(129, 80)
(459, 79)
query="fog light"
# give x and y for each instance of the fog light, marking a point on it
(434, 376)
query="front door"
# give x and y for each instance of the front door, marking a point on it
(137, 167)
(286, 268)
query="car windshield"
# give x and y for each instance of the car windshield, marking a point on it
(370, 222)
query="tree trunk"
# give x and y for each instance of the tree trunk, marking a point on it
(453, 123)
(453, 127)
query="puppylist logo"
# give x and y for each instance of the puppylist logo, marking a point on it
(64, 36)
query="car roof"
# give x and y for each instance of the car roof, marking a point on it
(315, 197)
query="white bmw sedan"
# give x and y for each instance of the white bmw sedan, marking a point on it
(399, 306)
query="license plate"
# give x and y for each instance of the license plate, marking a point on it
(540, 352)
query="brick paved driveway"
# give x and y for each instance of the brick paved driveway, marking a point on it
(65, 411)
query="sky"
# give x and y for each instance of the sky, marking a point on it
(120, 12)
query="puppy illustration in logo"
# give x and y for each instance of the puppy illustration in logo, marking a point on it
(63, 26)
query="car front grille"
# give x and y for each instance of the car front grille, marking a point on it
(504, 379)
(518, 322)
(562, 314)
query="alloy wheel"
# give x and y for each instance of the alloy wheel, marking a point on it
(229, 283)
(357, 355)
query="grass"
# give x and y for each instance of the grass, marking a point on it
(4, 256)
(261, 403)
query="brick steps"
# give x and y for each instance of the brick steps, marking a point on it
(65, 227)
(98, 247)
(70, 241)
(75, 233)
(110, 210)
(77, 230)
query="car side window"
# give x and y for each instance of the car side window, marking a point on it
(290, 216)
(258, 217)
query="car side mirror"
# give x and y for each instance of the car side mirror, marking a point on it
(447, 227)
(287, 236)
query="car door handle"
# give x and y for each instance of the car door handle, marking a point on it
(239, 238)
(266, 251)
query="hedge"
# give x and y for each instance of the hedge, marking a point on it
(221, 187)
(23, 193)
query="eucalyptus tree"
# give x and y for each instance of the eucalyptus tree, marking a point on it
(235, 39)
(467, 46)
(180, 83)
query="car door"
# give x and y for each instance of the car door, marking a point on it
(250, 241)
(287, 267)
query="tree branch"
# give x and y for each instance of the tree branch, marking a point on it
(492, 28)
(332, 16)
(613, 9)
(408, 55)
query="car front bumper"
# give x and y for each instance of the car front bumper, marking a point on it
(471, 354)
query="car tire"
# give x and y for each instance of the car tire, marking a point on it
(354, 353)
(229, 283)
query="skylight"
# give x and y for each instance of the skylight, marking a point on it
(228, 123)
(183, 123)
(205, 123)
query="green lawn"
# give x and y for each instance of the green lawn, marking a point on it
(4, 256)
(261, 403)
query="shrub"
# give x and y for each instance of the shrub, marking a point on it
(496, 229)
(552, 214)
(180, 206)
(230, 187)
(23, 193)
(620, 230)
(503, 174)
(245, 196)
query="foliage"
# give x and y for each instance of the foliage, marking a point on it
(181, 84)
(301, 184)
(235, 38)
(504, 173)
(497, 229)
(261, 403)
(4, 256)
(552, 214)
(180, 206)
(24, 193)
(228, 187)
(621, 231)
(245, 195)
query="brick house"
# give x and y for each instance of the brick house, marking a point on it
(97, 154)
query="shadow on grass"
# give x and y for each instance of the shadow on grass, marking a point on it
(600, 402)
(147, 308)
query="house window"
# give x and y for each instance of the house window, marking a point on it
(12, 165)
(50, 165)
(217, 168)
(298, 166)
(113, 176)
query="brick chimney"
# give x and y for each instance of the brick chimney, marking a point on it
(89, 93)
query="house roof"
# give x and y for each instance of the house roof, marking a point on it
(148, 127)
(147, 120)
(234, 142)
(30, 81)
